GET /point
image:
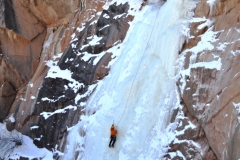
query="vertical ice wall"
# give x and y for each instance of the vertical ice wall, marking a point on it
(140, 90)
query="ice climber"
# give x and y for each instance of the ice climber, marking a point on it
(113, 137)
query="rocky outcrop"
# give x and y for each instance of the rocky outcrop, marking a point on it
(84, 71)
(74, 39)
(209, 93)
(52, 12)
(190, 141)
(22, 36)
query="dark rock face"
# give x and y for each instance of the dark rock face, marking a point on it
(111, 33)
(60, 94)
(7, 95)
(9, 16)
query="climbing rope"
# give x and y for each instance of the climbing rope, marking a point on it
(138, 68)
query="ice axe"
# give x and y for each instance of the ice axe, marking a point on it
(113, 124)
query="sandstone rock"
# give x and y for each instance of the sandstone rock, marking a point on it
(53, 12)
(190, 142)
(19, 59)
(21, 38)
(22, 55)
(212, 95)
(23, 106)
(17, 18)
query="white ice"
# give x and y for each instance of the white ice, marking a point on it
(139, 93)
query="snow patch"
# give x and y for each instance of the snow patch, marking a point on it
(235, 53)
(11, 118)
(95, 40)
(119, 16)
(206, 42)
(52, 100)
(34, 127)
(106, 16)
(32, 97)
(237, 29)
(104, 27)
(48, 41)
(198, 19)
(208, 65)
(208, 23)
(211, 3)
(46, 115)
(56, 72)
(237, 107)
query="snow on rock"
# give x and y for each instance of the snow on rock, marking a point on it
(33, 97)
(106, 16)
(119, 16)
(52, 100)
(206, 42)
(237, 106)
(48, 42)
(30, 84)
(90, 89)
(208, 23)
(211, 3)
(11, 118)
(56, 72)
(48, 114)
(15, 145)
(34, 127)
(104, 27)
(209, 67)
(94, 40)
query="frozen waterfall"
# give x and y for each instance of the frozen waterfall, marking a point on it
(140, 91)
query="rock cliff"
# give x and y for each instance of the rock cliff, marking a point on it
(210, 95)
(67, 30)
(35, 34)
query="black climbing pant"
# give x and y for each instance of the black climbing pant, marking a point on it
(112, 141)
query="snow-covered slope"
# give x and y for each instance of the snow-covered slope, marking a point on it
(139, 93)
(15, 145)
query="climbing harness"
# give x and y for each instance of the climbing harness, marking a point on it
(138, 68)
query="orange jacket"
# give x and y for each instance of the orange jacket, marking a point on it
(113, 131)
